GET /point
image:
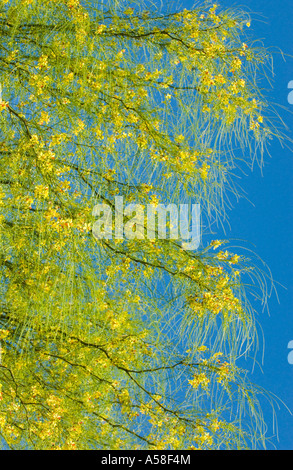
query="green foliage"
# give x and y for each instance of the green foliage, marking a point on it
(123, 344)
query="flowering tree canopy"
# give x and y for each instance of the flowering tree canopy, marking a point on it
(112, 342)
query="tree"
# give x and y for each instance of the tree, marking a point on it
(124, 343)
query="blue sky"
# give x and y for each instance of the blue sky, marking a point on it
(268, 223)
(264, 221)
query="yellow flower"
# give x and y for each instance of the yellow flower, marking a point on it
(220, 79)
(41, 191)
(129, 11)
(180, 138)
(236, 64)
(222, 255)
(99, 133)
(80, 126)
(200, 379)
(202, 348)
(101, 28)
(234, 259)
(224, 372)
(44, 119)
(154, 200)
(215, 425)
(73, 3)
(234, 87)
(204, 171)
(254, 125)
(216, 243)
(43, 62)
(3, 105)
(3, 333)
